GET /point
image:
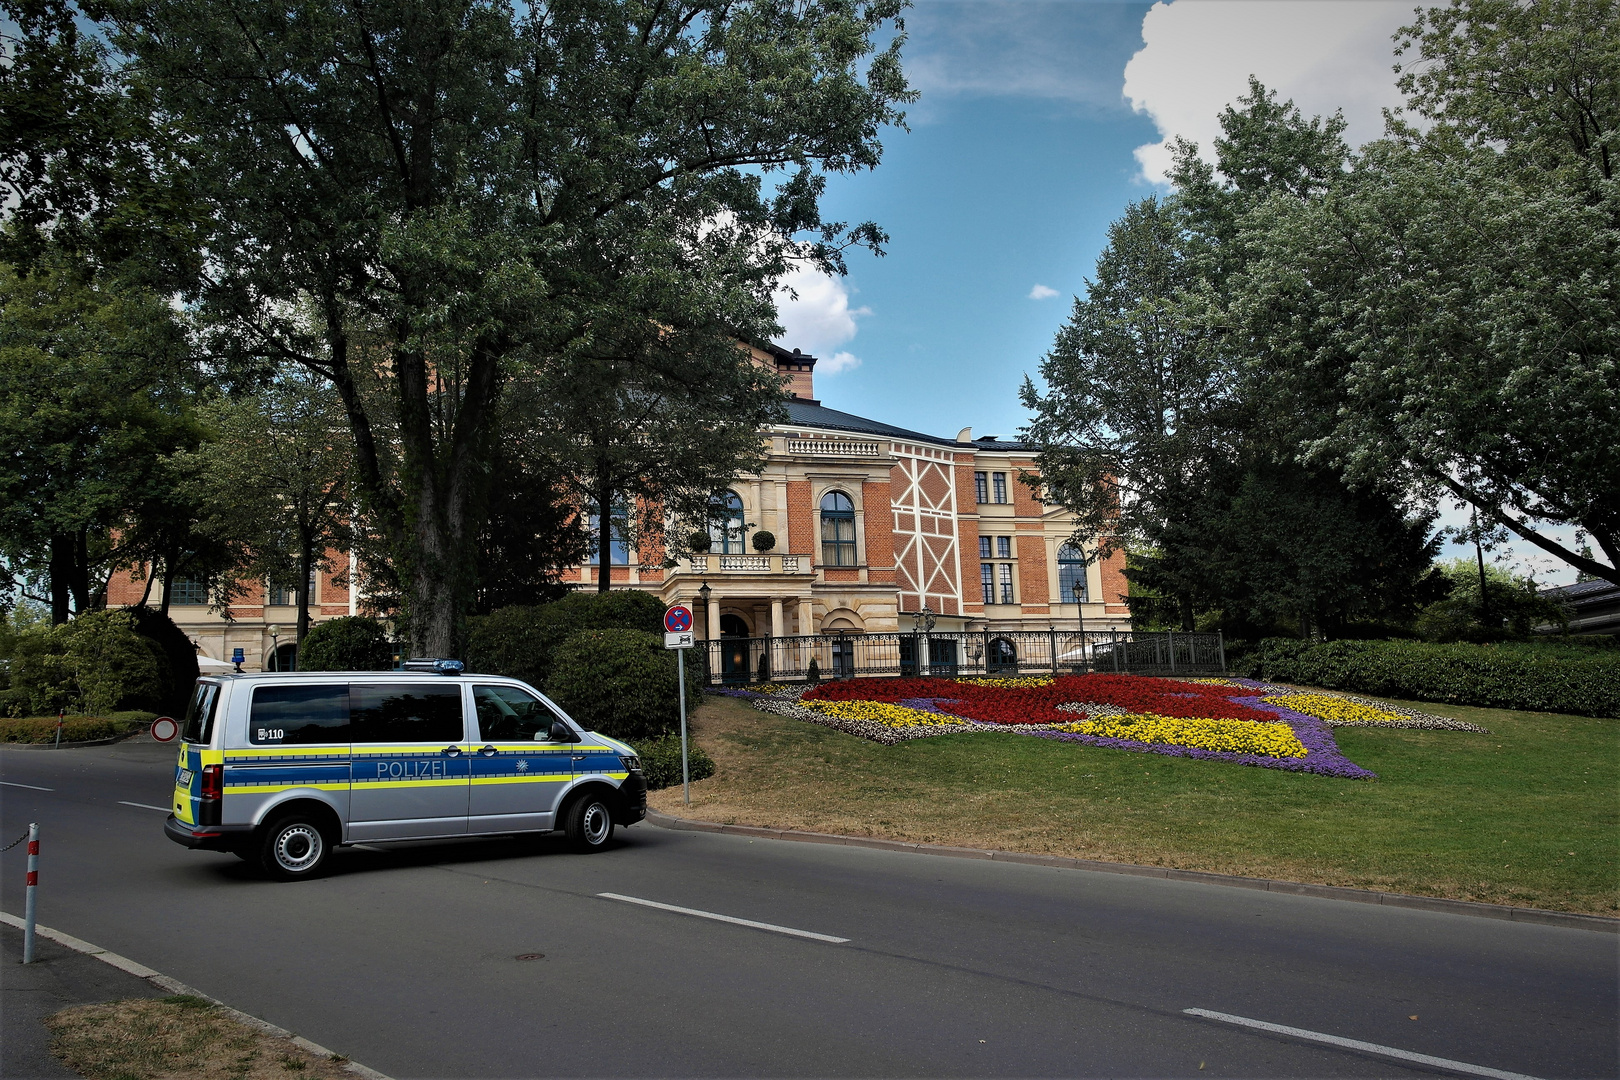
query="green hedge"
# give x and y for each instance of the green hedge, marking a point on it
(620, 683)
(519, 642)
(1578, 682)
(349, 643)
(661, 761)
(42, 729)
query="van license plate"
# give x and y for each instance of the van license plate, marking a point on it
(184, 779)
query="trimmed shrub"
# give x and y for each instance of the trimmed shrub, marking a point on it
(1574, 681)
(114, 666)
(812, 674)
(519, 641)
(42, 729)
(763, 541)
(620, 683)
(661, 761)
(179, 657)
(349, 643)
(699, 541)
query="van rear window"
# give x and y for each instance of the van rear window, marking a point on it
(198, 727)
(299, 715)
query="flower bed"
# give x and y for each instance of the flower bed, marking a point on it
(1347, 710)
(1222, 721)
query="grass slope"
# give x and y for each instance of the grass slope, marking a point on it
(1527, 815)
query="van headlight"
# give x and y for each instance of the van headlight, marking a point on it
(630, 762)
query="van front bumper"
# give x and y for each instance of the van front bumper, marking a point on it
(633, 797)
(207, 837)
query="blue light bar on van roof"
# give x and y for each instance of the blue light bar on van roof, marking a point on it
(428, 663)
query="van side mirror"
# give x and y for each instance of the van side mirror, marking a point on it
(560, 732)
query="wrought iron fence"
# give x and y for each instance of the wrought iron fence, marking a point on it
(736, 660)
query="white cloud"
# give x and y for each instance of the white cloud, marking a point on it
(1198, 55)
(837, 362)
(1042, 292)
(814, 310)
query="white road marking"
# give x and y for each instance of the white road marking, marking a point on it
(1357, 1044)
(145, 806)
(726, 918)
(30, 787)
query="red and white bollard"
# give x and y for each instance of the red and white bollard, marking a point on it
(60, 718)
(33, 887)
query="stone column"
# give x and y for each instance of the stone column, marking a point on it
(714, 618)
(777, 619)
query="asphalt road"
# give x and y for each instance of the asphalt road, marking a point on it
(405, 959)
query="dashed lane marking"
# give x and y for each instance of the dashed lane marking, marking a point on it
(772, 927)
(1357, 1044)
(30, 787)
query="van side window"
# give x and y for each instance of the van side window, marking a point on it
(505, 712)
(198, 727)
(299, 715)
(408, 712)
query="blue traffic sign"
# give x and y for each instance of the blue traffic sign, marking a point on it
(678, 619)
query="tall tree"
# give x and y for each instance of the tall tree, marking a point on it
(1447, 318)
(424, 172)
(275, 477)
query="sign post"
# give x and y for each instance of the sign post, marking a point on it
(678, 636)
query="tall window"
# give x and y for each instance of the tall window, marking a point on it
(981, 486)
(987, 581)
(1007, 584)
(184, 590)
(726, 523)
(1071, 575)
(993, 573)
(984, 547)
(1004, 547)
(287, 595)
(618, 547)
(837, 529)
(999, 482)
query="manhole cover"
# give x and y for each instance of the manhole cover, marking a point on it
(530, 956)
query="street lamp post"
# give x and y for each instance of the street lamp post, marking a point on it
(923, 622)
(275, 655)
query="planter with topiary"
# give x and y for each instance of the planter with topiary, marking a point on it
(764, 541)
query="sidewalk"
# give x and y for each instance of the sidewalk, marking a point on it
(57, 979)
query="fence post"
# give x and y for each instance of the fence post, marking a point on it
(1115, 650)
(1170, 646)
(1051, 632)
(33, 885)
(1220, 648)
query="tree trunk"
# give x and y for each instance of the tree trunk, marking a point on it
(604, 531)
(305, 560)
(60, 570)
(168, 586)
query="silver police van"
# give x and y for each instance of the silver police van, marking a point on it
(281, 768)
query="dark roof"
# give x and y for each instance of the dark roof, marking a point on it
(1588, 591)
(810, 414)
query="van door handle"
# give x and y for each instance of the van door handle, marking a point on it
(451, 751)
(579, 757)
(488, 751)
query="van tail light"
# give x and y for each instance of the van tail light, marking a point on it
(213, 791)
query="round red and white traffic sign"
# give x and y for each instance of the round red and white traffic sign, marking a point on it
(678, 619)
(164, 729)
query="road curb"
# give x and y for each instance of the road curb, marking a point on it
(1599, 923)
(175, 986)
(65, 746)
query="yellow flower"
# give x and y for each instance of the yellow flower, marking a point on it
(1332, 707)
(895, 716)
(1235, 736)
(1022, 682)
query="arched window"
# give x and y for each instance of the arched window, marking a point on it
(1071, 575)
(726, 523)
(837, 529)
(1002, 657)
(618, 547)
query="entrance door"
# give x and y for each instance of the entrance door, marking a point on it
(410, 771)
(733, 649)
(518, 773)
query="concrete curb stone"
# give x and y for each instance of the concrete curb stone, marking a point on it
(1599, 923)
(175, 986)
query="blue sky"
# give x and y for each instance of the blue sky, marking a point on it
(1040, 120)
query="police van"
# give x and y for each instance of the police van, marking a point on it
(281, 768)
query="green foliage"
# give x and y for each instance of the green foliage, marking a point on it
(763, 540)
(42, 729)
(113, 665)
(348, 643)
(41, 672)
(1512, 608)
(519, 641)
(661, 761)
(619, 682)
(812, 673)
(179, 655)
(1463, 674)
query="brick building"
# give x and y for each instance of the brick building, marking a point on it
(873, 524)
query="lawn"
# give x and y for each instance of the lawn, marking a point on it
(1528, 815)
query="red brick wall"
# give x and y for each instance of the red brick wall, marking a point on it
(1024, 502)
(879, 513)
(967, 537)
(1032, 574)
(801, 520)
(1114, 586)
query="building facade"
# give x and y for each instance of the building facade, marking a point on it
(876, 528)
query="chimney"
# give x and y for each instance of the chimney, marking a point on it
(800, 368)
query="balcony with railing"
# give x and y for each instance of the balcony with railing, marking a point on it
(768, 563)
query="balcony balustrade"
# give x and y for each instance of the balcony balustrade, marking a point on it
(745, 564)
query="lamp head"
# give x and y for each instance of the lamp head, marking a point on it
(704, 592)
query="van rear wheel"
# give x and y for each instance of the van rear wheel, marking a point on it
(588, 824)
(293, 848)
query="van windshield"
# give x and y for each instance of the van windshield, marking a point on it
(199, 722)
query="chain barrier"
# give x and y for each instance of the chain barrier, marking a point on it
(15, 842)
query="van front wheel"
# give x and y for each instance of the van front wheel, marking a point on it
(588, 824)
(293, 848)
